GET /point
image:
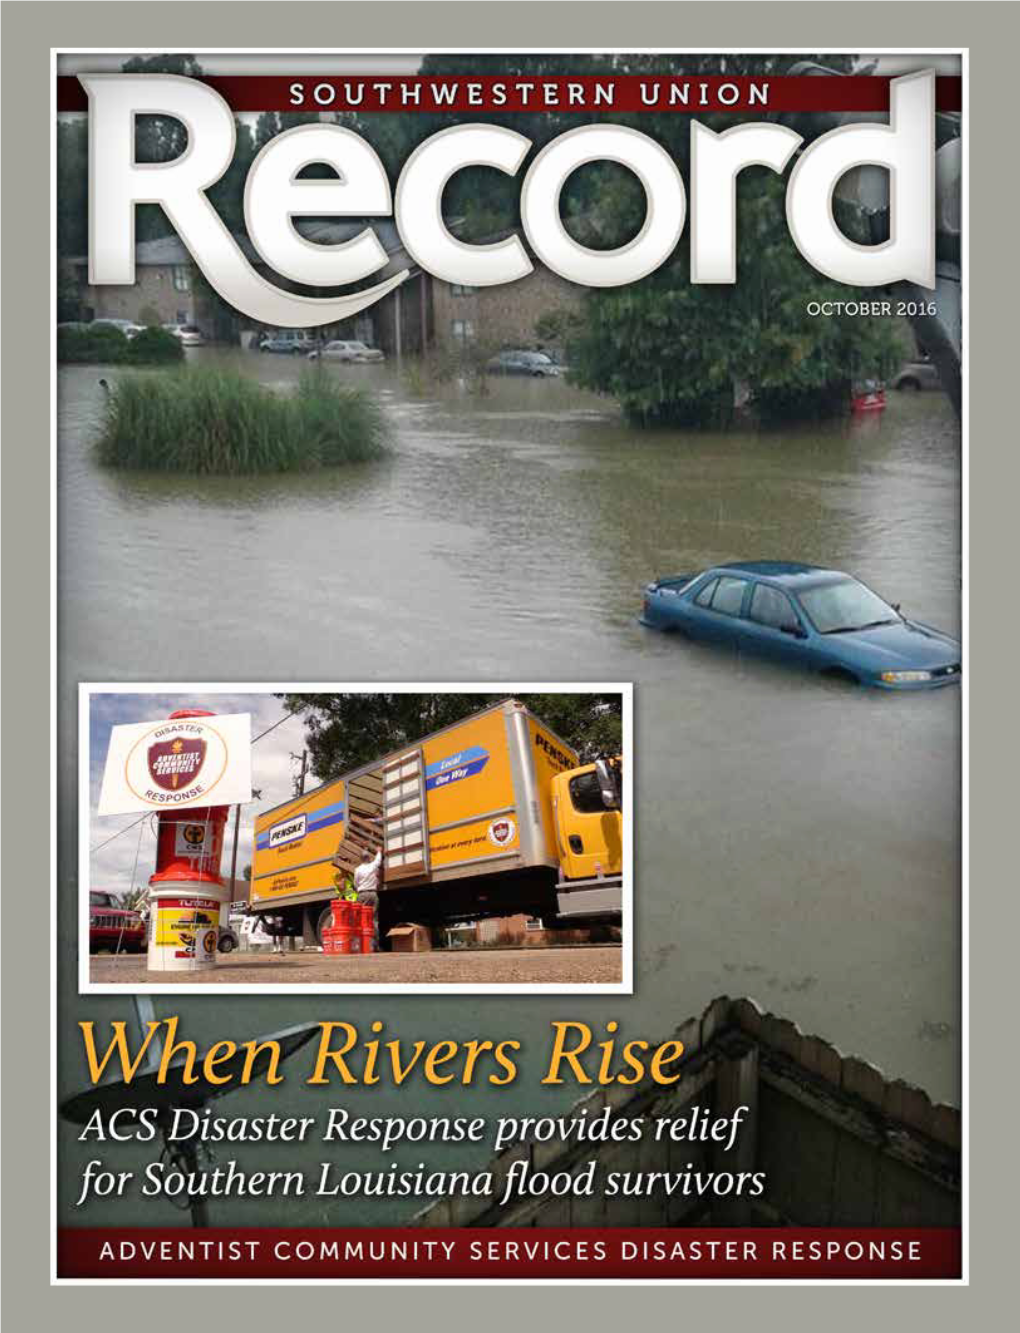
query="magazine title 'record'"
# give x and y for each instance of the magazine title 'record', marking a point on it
(274, 195)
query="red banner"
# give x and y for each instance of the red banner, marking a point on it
(511, 1253)
(578, 94)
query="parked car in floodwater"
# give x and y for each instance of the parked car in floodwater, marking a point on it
(536, 364)
(819, 619)
(188, 334)
(114, 927)
(919, 374)
(347, 351)
(291, 342)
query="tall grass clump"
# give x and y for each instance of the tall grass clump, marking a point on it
(208, 421)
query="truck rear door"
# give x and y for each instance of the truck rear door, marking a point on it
(405, 818)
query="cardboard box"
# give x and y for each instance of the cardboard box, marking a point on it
(407, 938)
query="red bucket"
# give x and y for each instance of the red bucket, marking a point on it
(343, 912)
(365, 926)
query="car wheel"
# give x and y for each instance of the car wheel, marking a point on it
(226, 945)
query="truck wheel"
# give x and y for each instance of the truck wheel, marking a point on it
(325, 920)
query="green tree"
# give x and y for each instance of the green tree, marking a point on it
(668, 351)
(344, 731)
(68, 292)
(487, 200)
(158, 138)
(134, 898)
(266, 127)
(72, 187)
(227, 195)
(672, 352)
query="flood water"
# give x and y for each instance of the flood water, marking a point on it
(795, 841)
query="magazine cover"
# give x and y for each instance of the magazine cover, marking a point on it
(511, 664)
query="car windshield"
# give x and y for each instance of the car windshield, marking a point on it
(837, 608)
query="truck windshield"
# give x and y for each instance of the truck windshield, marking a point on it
(839, 607)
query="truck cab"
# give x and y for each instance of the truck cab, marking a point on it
(588, 814)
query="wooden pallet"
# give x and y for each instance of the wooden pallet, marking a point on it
(360, 836)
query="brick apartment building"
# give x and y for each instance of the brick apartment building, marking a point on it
(493, 318)
(422, 312)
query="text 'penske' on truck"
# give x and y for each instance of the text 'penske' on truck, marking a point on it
(492, 816)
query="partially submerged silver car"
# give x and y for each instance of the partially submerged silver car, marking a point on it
(347, 350)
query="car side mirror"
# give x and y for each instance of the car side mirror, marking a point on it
(795, 631)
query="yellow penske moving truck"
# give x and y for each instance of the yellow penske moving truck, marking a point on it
(491, 816)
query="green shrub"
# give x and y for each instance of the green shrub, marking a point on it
(105, 344)
(153, 347)
(207, 421)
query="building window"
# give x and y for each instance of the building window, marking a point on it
(463, 330)
(460, 289)
(534, 923)
(182, 278)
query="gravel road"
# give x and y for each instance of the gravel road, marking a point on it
(588, 965)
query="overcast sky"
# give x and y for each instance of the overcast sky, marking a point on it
(273, 772)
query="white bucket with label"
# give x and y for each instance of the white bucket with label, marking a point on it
(184, 925)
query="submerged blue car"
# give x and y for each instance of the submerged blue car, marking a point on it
(815, 618)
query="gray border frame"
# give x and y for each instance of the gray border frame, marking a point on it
(990, 31)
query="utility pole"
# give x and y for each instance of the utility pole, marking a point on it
(256, 795)
(233, 857)
(304, 770)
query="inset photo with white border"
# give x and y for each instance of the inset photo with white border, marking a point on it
(356, 838)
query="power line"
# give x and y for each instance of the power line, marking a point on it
(293, 713)
(126, 829)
